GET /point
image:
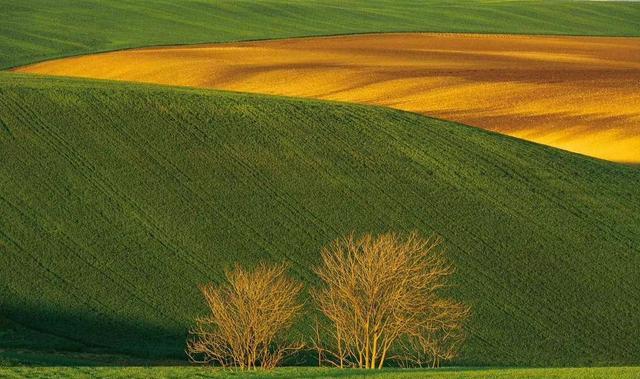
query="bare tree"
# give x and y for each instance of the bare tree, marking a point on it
(249, 316)
(380, 296)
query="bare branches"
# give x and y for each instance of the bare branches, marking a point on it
(381, 294)
(380, 298)
(248, 316)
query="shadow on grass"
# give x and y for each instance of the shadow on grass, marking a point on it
(41, 336)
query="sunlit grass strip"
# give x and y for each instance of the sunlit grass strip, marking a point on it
(327, 373)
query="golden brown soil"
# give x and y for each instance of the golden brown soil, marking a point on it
(577, 93)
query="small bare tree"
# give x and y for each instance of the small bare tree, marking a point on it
(438, 339)
(380, 296)
(249, 316)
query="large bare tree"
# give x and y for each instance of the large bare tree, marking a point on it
(381, 297)
(248, 318)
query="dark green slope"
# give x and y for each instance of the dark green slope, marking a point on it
(34, 30)
(117, 199)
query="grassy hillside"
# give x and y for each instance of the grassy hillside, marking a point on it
(34, 30)
(117, 199)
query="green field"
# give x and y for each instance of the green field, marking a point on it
(117, 199)
(34, 30)
(191, 372)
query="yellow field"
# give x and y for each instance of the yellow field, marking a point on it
(577, 93)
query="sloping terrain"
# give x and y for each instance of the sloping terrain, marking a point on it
(580, 94)
(117, 199)
(34, 30)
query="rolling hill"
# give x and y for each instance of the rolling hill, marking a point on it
(579, 94)
(35, 30)
(117, 199)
